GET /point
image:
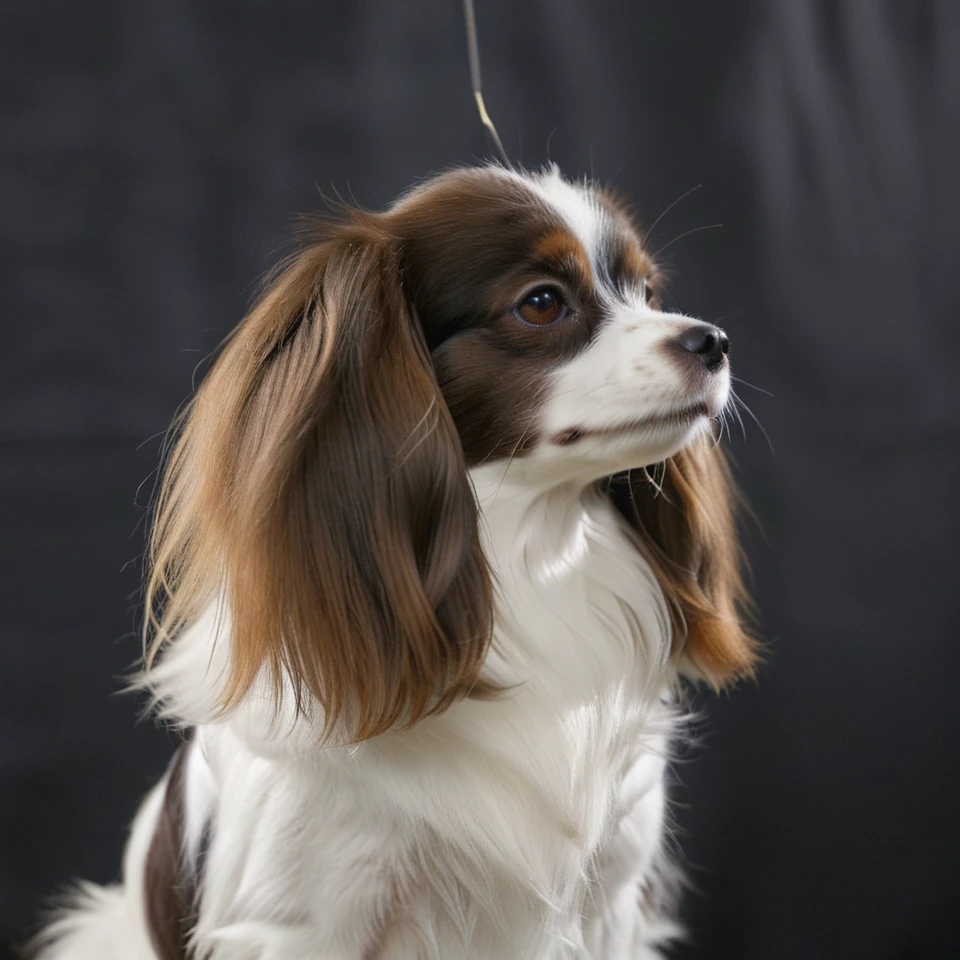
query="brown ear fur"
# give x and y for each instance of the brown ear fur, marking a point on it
(319, 486)
(689, 526)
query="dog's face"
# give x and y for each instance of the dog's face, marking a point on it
(540, 308)
(320, 484)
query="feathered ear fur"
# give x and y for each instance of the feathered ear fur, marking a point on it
(319, 486)
(687, 521)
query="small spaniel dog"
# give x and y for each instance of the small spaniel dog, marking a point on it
(442, 532)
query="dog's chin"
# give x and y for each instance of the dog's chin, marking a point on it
(590, 455)
(648, 444)
(636, 442)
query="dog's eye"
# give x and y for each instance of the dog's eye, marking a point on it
(542, 306)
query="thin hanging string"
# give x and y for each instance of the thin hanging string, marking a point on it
(473, 54)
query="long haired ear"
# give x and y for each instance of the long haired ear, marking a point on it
(687, 522)
(319, 487)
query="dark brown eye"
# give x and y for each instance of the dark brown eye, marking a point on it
(542, 306)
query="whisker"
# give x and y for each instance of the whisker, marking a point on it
(513, 453)
(656, 486)
(743, 426)
(727, 422)
(752, 386)
(736, 413)
(753, 416)
(724, 426)
(716, 432)
(683, 196)
(686, 233)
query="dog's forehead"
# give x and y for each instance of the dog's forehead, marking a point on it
(544, 197)
(597, 222)
(578, 206)
(470, 227)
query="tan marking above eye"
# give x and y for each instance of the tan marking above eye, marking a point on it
(542, 306)
(560, 247)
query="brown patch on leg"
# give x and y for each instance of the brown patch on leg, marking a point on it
(170, 891)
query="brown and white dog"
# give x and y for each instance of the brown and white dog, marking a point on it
(420, 605)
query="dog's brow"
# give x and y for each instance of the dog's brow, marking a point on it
(563, 254)
(624, 262)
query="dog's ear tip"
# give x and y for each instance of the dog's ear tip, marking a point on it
(726, 662)
(690, 531)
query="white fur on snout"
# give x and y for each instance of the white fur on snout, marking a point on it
(625, 377)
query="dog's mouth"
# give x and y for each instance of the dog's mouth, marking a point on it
(673, 418)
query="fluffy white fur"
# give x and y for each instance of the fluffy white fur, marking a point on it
(528, 826)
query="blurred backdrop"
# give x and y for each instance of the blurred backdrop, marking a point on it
(152, 155)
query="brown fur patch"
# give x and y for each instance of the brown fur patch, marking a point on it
(321, 482)
(634, 262)
(562, 251)
(690, 528)
(169, 898)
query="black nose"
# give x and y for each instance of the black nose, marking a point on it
(709, 343)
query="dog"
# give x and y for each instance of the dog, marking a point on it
(441, 535)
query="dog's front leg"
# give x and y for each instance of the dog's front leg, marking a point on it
(625, 915)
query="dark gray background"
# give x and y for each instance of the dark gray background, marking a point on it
(152, 154)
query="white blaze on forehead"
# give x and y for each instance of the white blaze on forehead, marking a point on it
(578, 207)
(575, 204)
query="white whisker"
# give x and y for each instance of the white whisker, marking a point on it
(753, 416)
(752, 386)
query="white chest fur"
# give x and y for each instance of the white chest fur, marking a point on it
(525, 826)
(539, 785)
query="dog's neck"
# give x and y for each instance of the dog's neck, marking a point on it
(536, 527)
(575, 592)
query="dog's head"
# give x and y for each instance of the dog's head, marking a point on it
(320, 482)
